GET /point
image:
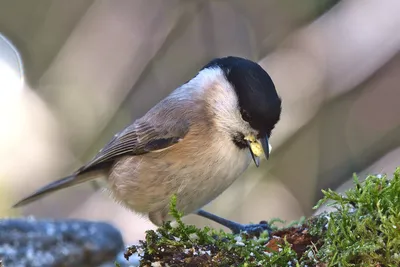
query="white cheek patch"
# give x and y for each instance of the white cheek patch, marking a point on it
(222, 100)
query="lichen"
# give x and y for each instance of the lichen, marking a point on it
(364, 230)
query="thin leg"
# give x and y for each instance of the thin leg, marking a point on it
(235, 227)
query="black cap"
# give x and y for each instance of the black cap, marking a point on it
(259, 102)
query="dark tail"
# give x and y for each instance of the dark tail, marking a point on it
(55, 186)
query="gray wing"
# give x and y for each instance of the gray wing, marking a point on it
(139, 138)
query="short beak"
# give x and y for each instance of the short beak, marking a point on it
(255, 158)
(257, 148)
(266, 147)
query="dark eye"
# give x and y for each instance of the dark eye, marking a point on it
(245, 115)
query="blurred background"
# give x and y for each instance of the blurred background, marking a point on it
(72, 73)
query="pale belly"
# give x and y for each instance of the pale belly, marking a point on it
(146, 183)
(210, 183)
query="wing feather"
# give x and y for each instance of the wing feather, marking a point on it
(139, 138)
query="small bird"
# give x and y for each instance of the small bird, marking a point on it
(193, 144)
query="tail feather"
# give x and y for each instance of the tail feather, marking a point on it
(55, 186)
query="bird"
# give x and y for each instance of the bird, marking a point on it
(193, 144)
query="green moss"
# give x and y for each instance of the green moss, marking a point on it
(363, 231)
(186, 245)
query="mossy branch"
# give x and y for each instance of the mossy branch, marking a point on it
(363, 231)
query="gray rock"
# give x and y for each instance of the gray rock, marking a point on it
(29, 242)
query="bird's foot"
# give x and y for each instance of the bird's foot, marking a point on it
(251, 229)
(236, 228)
